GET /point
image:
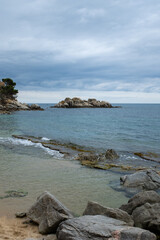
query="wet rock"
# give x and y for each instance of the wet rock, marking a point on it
(94, 208)
(100, 228)
(145, 210)
(79, 103)
(149, 156)
(111, 154)
(148, 180)
(48, 213)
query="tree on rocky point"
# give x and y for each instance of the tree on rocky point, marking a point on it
(8, 90)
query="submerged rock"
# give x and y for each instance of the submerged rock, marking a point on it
(94, 208)
(14, 194)
(48, 213)
(144, 207)
(79, 103)
(148, 180)
(111, 154)
(100, 228)
(149, 156)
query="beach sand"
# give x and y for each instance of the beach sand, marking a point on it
(14, 229)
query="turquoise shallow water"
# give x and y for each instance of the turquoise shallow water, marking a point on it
(27, 166)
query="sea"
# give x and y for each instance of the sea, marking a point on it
(30, 167)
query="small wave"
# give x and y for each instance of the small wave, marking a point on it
(26, 143)
(45, 139)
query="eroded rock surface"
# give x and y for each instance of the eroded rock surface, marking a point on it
(48, 213)
(100, 228)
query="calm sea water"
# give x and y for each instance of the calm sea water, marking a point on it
(28, 166)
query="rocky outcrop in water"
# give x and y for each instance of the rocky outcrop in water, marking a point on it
(79, 103)
(148, 180)
(94, 208)
(144, 207)
(11, 105)
(48, 213)
(100, 228)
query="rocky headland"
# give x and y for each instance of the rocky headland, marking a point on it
(79, 103)
(12, 105)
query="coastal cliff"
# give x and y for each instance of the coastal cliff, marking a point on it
(79, 103)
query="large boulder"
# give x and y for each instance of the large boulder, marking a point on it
(48, 213)
(145, 210)
(94, 208)
(148, 180)
(100, 228)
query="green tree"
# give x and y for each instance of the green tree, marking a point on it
(8, 91)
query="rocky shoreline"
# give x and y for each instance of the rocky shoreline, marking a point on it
(12, 105)
(79, 103)
(137, 219)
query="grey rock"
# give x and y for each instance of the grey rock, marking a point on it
(48, 212)
(145, 210)
(100, 228)
(20, 214)
(140, 199)
(111, 154)
(147, 216)
(94, 208)
(148, 180)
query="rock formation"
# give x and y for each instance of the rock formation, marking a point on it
(94, 208)
(99, 228)
(144, 207)
(11, 105)
(148, 180)
(48, 213)
(79, 103)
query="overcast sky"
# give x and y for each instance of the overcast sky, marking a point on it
(108, 49)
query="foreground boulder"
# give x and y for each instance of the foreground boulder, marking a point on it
(100, 228)
(48, 213)
(148, 180)
(79, 103)
(145, 210)
(94, 208)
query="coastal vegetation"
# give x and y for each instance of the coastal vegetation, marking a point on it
(7, 89)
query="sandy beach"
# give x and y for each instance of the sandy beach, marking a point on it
(14, 229)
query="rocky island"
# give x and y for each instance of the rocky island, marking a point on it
(8, 101)
(79, 103)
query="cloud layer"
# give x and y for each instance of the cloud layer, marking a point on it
(88, 47)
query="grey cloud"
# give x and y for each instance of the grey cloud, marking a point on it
(104, 45)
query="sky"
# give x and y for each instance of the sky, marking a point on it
(104, 49)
